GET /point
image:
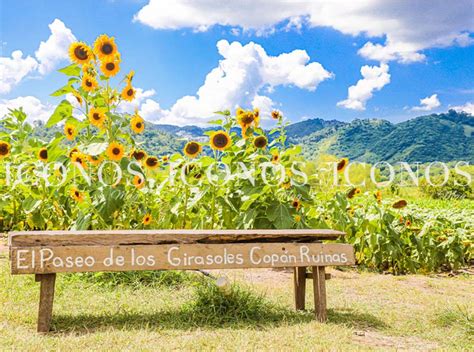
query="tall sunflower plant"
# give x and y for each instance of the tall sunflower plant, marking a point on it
(101, 178)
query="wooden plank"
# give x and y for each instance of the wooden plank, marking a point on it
(29, 260)
(45, 310)
(319, 286)
(300, 287)
(135, 237)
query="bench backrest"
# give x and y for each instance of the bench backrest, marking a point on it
(122, 250)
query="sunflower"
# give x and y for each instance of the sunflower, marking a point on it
(110, 67)
(147, 219)
(72, 152)
(95, 159)
(129, 77)
(342, 164)
(353, 192)
(239, 111)
(115, 151)
(192, 149)
(275, 158)
(152, 162)
(88, 69)
(276, 114)
(76, 195)
(297, 218)
(105, 47)
(245, 120)
(89, 83)
(256, 113)
(220, 140)
(43, 154)
(138, 181)
(78, 97)
(97, 117)
(80, 53)
(378, 196)
(165, 159)
(260, 142)
(128, 93)
(4, 149)
(296, 203)
(402, 203)
(408, 223)
(138, 155)
(137, 124)
(80, 159)
(70, 131)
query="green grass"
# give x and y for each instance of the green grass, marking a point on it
(366, 311)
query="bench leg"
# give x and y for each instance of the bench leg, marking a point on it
(45, 310)
(319, 285)
(300, 287)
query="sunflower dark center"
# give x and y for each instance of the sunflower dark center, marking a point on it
(341, 165)
(220, 140)
(81, 53)
(139, 155)
(77, 193)
(70, 131)
(247, 119)
(295, 204)
(260, 142)
(110, 66)
(43, 154)
(130, 92)
(138, 125)
(116, 151)
(96, 116)
(88, 83)
(107, 49)
(151, 162)
(192, 148)
(3, 149)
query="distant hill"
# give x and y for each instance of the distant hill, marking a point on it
(435, 137)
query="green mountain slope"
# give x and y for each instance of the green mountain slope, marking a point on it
(435, 137)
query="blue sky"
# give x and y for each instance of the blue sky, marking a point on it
(172, 48)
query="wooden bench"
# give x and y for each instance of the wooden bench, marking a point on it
(47, 253)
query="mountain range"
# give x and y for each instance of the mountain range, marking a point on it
(436, 137)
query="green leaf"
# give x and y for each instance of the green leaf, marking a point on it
(61, 91)
(280, 217)
(215, 122)
(225, 112)
(71, 70)
(62, 112)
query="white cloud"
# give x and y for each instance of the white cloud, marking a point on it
(140, 96)
(51, 52)
(468, 107)
(244, 71)
(408, 27)
(14, 69)
(32, 106)
(428, 103)
(374, 79)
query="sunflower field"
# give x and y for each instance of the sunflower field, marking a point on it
(96, 175)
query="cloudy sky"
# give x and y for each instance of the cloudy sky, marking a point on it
(322, 58)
